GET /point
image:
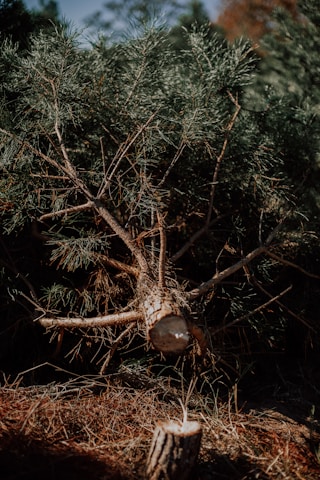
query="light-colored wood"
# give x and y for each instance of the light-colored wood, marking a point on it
(174, 451)
(121, 318)
(167, 329)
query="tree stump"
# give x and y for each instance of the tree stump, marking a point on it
(174, 450)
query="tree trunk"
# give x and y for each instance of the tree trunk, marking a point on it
(174, 451)
(167, 329)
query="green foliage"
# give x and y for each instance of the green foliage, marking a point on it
(147, 128)
(286, 92)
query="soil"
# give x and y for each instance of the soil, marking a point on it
(100, 428)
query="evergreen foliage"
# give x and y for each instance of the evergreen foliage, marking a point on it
(143, 131)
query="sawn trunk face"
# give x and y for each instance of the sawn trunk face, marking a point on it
(167, 328)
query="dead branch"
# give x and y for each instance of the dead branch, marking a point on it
(122, 267)
(220, 276)
(292, 265)
(253, 312)
(121, 318)
(257, 284)
(114, 347)
(178, 154)
(202, 231)
(162, 254)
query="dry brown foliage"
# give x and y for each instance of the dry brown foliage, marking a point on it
(251, 18)
(101, 428)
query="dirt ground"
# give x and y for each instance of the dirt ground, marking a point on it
(100, 428)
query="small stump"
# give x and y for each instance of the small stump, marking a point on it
(174, 450)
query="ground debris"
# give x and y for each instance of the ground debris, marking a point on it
(81, 430)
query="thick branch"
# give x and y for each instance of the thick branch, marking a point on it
(103, 321)
(220, 276)
(123, 234)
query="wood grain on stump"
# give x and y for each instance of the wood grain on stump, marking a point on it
(174, 451)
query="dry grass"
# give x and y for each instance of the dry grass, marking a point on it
(101, 428)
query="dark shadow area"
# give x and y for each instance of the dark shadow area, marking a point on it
(287, 384)
(221, 467)
(22, 458)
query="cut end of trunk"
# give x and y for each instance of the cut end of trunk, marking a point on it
(170, 335)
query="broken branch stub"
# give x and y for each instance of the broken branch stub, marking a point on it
(167, 329)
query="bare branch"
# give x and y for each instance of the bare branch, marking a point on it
(221, 155)
(202, 231)
(162, 254)
(123, 234)
(122, 151)
(178, 154)
(122, 267)
(66, 211)
(121, 318)
(291, 264)
(253, 312)
(114, 347)
(254, 281)
(220, 276)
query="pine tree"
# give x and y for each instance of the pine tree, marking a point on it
(144, 182)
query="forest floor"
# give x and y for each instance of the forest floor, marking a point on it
(99, 428)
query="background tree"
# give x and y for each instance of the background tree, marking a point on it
(122, 15)
(17, 23)
(251, 19)
(285, 89)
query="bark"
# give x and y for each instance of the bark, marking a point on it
(174, 451)
(121, 318)
(167, 329)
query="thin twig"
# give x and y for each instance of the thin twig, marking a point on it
(67, 211)
(114, 347)
(253, 312)
(221, 155)
(162, 253)
(291, 264)
(254, 281)
(178, 154)
(202, 231)
(121, 152)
